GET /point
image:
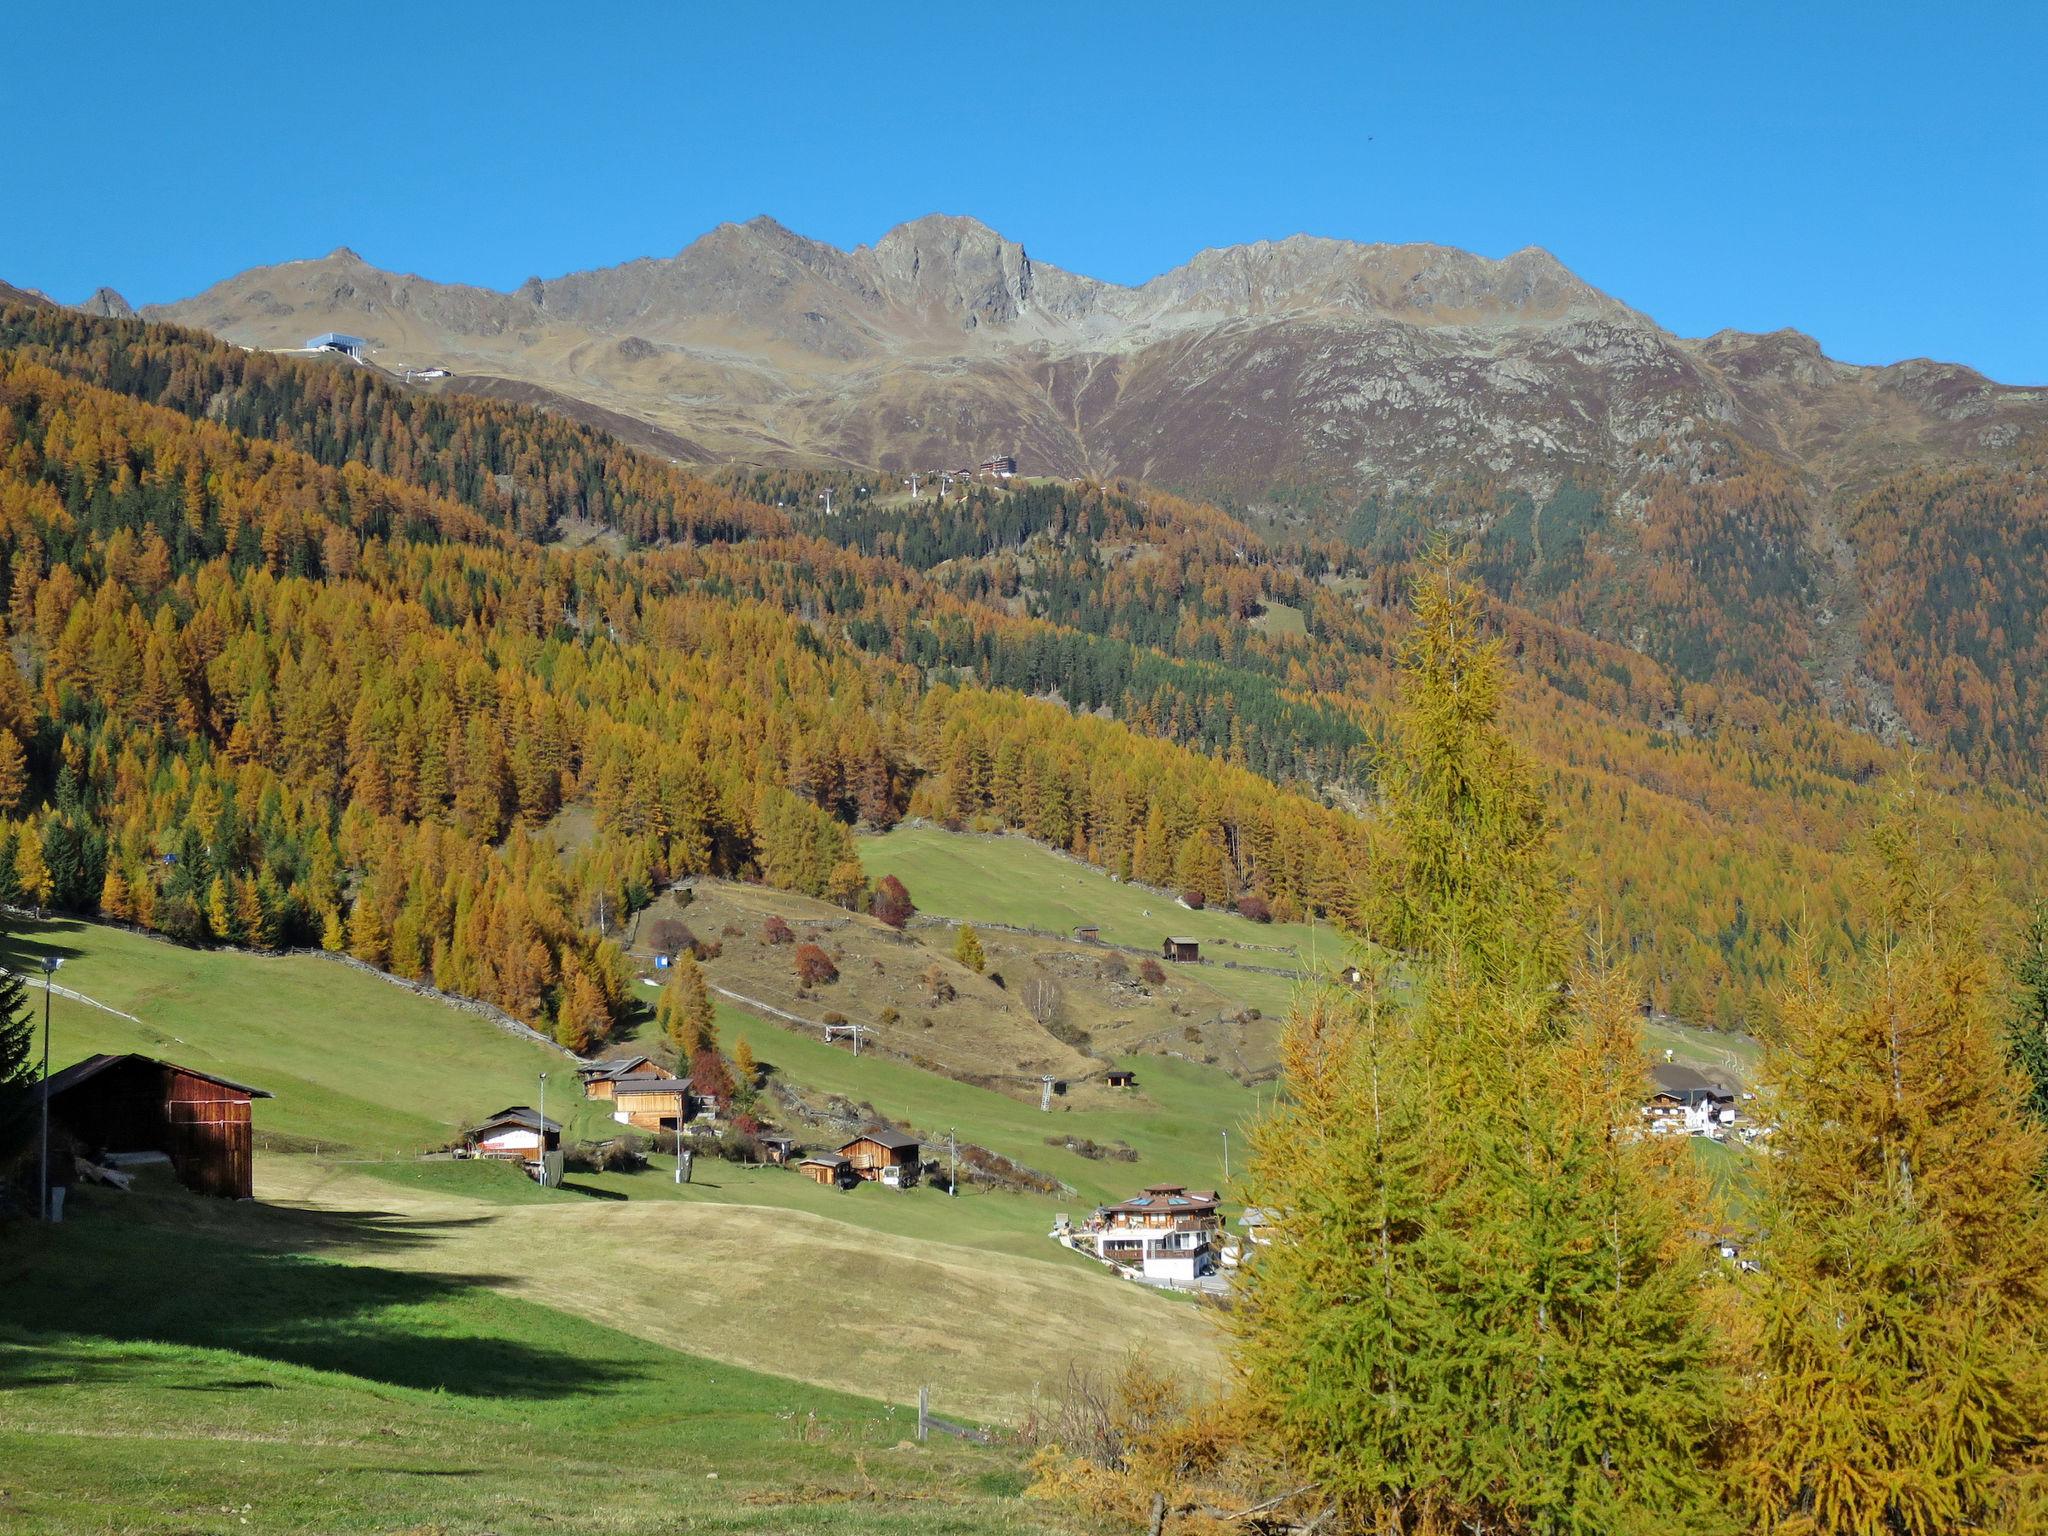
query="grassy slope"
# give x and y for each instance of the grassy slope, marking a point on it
(1175, 1122)
(354, 1062)
(221, 1374)
(1014, 880)
(344, 1050)
(800, 1293)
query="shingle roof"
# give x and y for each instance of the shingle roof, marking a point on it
(521, 1115)
(895, 1141)
(666, 1086)
(92, 1066)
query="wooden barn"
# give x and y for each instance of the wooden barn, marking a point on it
(601, 1078)
(520, 1134)
(827, 1168)
(111, 1104)
(883, 1156)
(1183, 949)
(1121, 1077)
(652, 1103)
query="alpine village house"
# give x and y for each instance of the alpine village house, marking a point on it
(1168, 1232)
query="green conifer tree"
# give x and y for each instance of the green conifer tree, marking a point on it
(1477, 1311)
(1902, 1384)
(967, 949)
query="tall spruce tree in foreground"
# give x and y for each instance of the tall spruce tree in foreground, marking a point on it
(1481, 1311)
(18, 1066)
(1902, 1310)
(2026, 1025)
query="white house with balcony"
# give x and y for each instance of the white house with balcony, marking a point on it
(1168, 1233)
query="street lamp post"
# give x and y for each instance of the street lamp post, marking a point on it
(50, 964)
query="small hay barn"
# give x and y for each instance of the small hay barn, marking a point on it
(139, 1104)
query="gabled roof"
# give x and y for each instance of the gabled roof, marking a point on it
(521, 1115)
(1180, 938)
(668, 1087)
(92, 1066)
(1684, 1080)
(623, 1066)
(895, 1141)
(1169, 1198)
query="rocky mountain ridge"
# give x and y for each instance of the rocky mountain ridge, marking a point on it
(1299, 365)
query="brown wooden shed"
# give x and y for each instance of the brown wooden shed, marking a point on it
(139, 1104)
(1121, 1077)
(1182, 949)
(886, 1155)
(826, 1168)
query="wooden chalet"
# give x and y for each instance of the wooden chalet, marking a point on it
(1120, 1077)
(827, 1168)
(1688, 1102)
(115, 1104)
(517, 1134)
(1169, 1232)
(778, 1149)
(1182, 949)
(883, 1156)
(601, 1077)
(651, 1103)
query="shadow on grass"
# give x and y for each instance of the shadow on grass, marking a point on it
(118, 1275)
(590, 1191)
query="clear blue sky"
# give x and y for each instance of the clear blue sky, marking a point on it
(1876, 174)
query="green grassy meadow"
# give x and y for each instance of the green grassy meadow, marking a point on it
(1014, 880)
(1175, 1121)
(355, 1062)
(224, 1373)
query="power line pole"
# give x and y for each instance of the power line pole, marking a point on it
(541, 1130)
(1226, 1157)
(952, 1162)
(50, 964)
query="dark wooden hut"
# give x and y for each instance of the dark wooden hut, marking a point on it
(139, 1104)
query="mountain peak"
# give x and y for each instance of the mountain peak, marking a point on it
(108, 304)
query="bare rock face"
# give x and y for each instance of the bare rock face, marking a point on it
(108, 305)
(1295, 363)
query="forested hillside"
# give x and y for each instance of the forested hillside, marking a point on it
(298, 656)
(255, 698)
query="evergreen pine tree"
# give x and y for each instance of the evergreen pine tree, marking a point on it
(684, 1010)
(29, 868)
(18, 1066)
(2027, 1017)
(1479, 1309)
(967, 949)
(1902, 1384)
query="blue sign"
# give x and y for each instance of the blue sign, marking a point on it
(661, 962)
